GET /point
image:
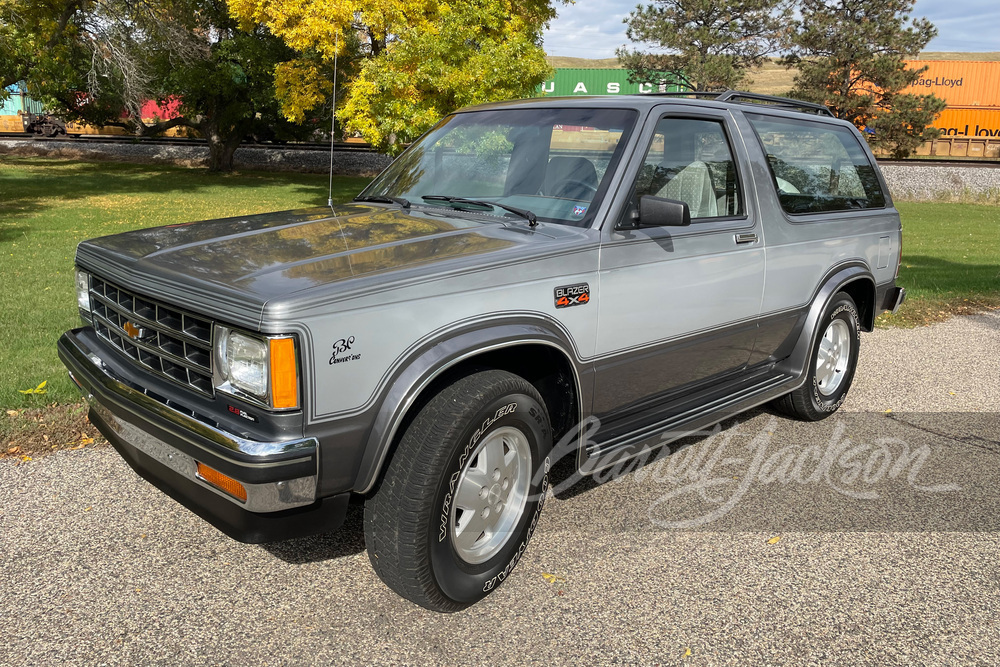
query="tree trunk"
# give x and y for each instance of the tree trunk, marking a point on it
(222, 146)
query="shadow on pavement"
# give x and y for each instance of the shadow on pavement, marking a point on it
(348, 540)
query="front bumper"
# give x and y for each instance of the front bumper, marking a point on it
(164, 445)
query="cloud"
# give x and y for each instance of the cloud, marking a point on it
(588, 29)
(594, 29)
(970, 25)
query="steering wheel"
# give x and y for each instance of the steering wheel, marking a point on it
(568, 188)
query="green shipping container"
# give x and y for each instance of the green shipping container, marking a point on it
(571, 81)
(18, 100)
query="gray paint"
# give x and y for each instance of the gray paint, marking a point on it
(420, 290)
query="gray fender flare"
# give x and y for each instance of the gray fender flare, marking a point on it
(430, 361)
(798, 361)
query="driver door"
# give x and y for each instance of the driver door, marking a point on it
(679, 305)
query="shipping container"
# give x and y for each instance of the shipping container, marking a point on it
(570, 81)
(960, 83)
(982, 122)
(17, 100)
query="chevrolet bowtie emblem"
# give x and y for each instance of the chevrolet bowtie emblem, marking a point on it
(134, 332)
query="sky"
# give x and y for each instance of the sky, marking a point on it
(594, 28)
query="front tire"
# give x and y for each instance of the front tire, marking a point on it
(832, 366)
(463, 492)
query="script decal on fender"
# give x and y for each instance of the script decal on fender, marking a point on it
(342, 351)
(572, 295)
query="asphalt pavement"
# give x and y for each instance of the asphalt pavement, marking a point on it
(869, 538)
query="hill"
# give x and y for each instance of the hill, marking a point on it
(582, 63)
(771, 78)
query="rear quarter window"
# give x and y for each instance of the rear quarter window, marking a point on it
(817, 167)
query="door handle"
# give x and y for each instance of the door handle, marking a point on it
(746, 238)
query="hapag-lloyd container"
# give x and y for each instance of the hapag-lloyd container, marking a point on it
(981, 122)
(960, 83)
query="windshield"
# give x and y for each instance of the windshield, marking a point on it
(553, 163)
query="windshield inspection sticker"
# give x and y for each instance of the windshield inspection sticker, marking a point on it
(572, 295)
(579, 210)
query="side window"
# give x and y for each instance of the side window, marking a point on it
(817, 167)
(690, 160)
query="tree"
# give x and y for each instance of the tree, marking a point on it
(710, 44)
(30, 31)
(115, 55)
(850, 55)
(412, 61)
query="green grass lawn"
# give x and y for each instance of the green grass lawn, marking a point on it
(48, 206)
(951, 252)
(951, 260)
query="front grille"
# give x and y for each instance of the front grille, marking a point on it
(170, 342)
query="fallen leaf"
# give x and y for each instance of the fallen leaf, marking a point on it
(687, 652)
(774, 540)
(40, 389)
(551, 578)
(13, 450)
(12, 413)
(951, 393)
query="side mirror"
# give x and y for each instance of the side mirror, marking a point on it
(657, 212)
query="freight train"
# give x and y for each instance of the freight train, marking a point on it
(19, 112)
(970, 126)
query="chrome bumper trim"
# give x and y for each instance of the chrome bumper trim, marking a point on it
(229, 441)
(269, 497)
(261, 497)
(900, 298)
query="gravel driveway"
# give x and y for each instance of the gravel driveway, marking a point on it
(870, 538)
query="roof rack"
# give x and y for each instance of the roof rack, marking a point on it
(742, 97)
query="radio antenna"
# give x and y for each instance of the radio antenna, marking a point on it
(333, 116)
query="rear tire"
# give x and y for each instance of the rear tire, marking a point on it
(832, 366)
(462, 494)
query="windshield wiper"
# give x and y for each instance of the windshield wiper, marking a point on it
(381, 199)
(527, 215)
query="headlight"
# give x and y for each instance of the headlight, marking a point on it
(83, 290)
(261, 370)
(246, 360)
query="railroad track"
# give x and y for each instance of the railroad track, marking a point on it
(179, 141)
(988, 163)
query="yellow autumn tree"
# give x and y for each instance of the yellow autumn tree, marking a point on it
(411, 61)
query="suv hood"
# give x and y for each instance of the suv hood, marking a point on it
(263, 257)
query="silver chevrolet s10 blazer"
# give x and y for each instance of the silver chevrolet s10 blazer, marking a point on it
(643, 265)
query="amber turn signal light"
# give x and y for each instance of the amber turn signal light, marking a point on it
(222, 482)
(284, 374)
